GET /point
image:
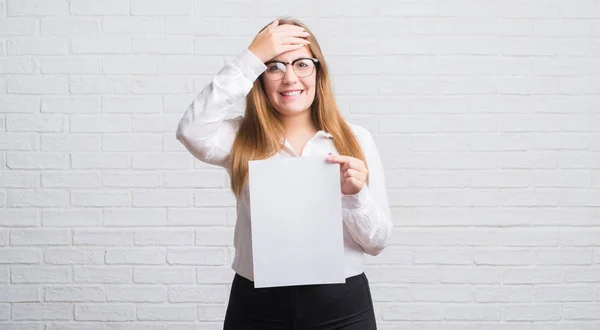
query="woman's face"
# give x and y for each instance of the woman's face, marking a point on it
(295, 91)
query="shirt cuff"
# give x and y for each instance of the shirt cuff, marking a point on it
(357, 200)
(250, 65)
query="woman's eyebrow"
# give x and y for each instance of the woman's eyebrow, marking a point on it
(280, 61)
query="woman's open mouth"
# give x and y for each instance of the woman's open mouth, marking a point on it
(290, 95)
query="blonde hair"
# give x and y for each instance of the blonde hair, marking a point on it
(261, 130)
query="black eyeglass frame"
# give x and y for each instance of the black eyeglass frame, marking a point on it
(314, 60)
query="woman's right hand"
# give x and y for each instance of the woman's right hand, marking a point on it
(277, 39)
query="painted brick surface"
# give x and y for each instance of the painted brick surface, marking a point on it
(486, 114)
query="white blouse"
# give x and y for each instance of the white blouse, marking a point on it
(208, 135)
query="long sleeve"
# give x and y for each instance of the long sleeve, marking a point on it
(367, 214)
(204, 129)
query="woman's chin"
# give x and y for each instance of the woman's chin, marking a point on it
(291, 110)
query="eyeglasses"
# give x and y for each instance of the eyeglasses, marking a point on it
(303, 67)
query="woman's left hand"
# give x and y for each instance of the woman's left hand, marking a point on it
(353, 173)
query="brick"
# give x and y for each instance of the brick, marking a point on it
(70, 142)
(19, 179)
(401, 312)
(163, 161)
(532, 276)
(167, 237)
(71, 65)
(20, 293)
(99, 85)
(37, 85)
(45, 311)
(563, 256)
(584, 9)
(407, 9)
(100, 198)
(38, 198)
(196, 256)
(137, 256)
(72, 104)
(443, 257)
(93, 8)
(102, 237)
(520, 9)
(563, 294)
(532, 313)
(161, 85)
(151, 123)
(130, 64)
(131, 25)
(195, 217)
(18, 141)
(72, 26)
(18, 26)
(133, 217)
(102, 274)
(71, 217)
(74, 256)
(214, 46)
(503, 257)
(19, 104)
(156, 7)
(132, 180)
(39, 237)
(472, 313)
(166, 313)
(22, 325)
(19, 65)
(505, 294)
(183, 64)
(137, 142)
(164, 45)
(138, 294)
(171, 275)
(239, 9)
(100, 160)
(70, 180)
(162, 198)
(38, 274)
(100, 124)
(19, 256)
(74, 294)
(38, 46)
(104, 312)
(35, 123)
(200, 294)
(37, 7)
(132, 104)
(195, 179)
(18, 217)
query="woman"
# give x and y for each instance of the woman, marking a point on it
(291, 112)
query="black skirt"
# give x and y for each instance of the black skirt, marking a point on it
(346, 306)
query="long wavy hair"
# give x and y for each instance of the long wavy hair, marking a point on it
(261, 131)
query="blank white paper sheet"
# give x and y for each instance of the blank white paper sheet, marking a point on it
(297, 229)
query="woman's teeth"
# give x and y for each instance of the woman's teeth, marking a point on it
(291, 93)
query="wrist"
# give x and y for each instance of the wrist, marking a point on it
(357, 200)
(257, 53)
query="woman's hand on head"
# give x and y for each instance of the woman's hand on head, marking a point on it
(277, 39)
(353, 173)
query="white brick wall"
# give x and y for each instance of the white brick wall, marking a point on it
(486, 114)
